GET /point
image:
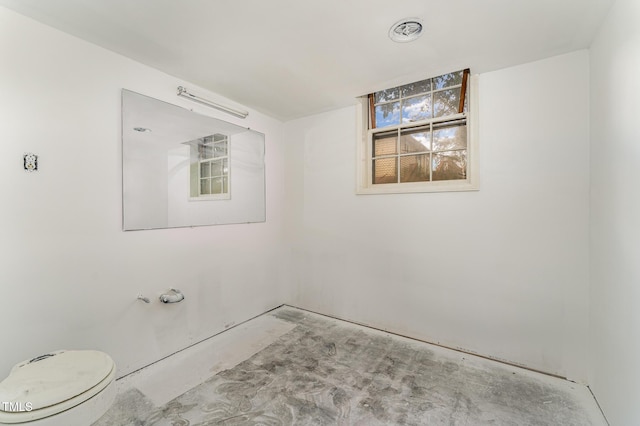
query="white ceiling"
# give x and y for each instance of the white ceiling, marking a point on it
(293, 58)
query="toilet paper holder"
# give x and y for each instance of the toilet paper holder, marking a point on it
(173, 296)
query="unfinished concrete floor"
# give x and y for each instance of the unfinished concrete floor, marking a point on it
(292, 367)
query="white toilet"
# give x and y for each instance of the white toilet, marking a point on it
(63, 388)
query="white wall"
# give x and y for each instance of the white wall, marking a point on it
(615, 214)
(142, 184)
(69, 276)
(502, 271)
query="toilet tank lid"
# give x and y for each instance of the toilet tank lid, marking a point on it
(53, 378)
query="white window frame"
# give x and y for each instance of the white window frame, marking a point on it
(364, 155)
(220, 196)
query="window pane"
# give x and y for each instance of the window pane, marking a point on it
(387, 95)
(205, 187)
(205, 170)
(466, 101)
(216, 185)
(388, 114)
(384, 143)
(414, 168)
(416, 88)
(446, 102)
(219, 137)
(450, 136)
(447, 80)
(205, 151)
(415, 140)
(416, 109)
(385, 170)
(225, 185)
(450, 165)
(220, 149)
(216, 168)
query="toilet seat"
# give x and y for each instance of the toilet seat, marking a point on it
(52, 383)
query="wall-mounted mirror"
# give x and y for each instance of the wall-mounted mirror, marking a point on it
(180, 168)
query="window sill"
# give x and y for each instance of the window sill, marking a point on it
(403, 188)
(211, 197)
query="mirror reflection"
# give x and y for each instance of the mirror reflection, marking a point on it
(181, 168)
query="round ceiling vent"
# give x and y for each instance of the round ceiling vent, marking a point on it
(405, 30)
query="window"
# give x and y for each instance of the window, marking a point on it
(419, 137)
(210, 167)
